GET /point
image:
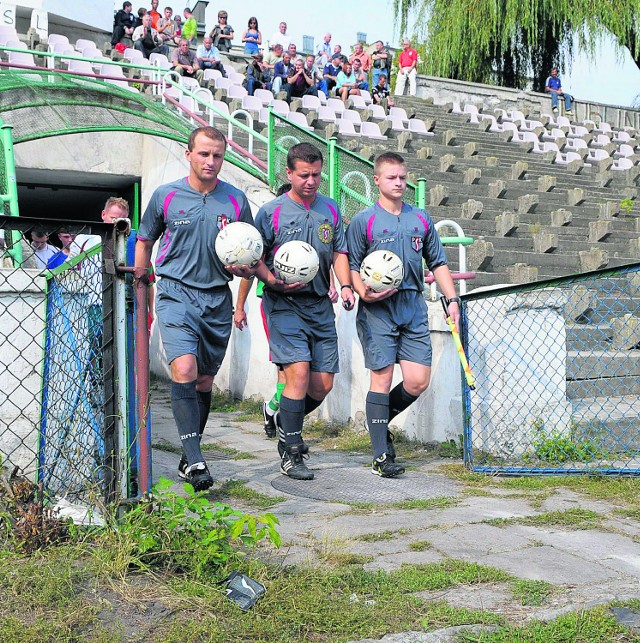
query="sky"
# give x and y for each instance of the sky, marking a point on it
(605, 79)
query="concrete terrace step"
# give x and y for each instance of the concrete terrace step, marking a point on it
(596, 364)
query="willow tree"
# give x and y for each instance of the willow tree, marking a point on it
(510, 42)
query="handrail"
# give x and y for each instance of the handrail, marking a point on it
(461, 240)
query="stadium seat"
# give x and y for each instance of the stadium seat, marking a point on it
(377, 112)
(577, 131)
(82, 44)
(399, 113)
(565, 159)
(366, 96)
(603, 128)
(132, 55)
(597, 155)
(236, 91)
(542, 148)
(553, 135)
(621, 137)
(358, 102)
(221, 106)
(7, 32)
(327, 114)
(336, 105)
(121, 83)
(624, 151)
(322, 96)
(621, 164)
(264, 95)
(160, 60)
(347, 128)
(575, 145)
(600, 140)
(211, 74)
(371, 130)
(251, 104)
(524, 137)
(107, 69)
(397, 124)
(222, 83)
(80, 66)
(236, 78)
(189, 83)
(352, 115)
(281, 107)
(21, 58)
(418, 126)
(311, 102)
(299, 119)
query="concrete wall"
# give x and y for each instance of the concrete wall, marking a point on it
(444, 90)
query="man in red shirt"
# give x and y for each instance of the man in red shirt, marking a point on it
(407, 63)
(362, 56)
(155, 14)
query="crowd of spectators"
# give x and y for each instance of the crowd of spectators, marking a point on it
(279, 68)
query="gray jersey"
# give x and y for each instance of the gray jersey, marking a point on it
(411, 235)
(320, 225)
(189, 222)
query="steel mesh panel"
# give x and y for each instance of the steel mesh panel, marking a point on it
(356, 188)
(557, 370)
(4, 184)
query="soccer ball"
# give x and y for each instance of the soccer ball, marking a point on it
(382, 270)
(239, 244)
(296, 261)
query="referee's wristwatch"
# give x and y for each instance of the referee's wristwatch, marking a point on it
(349, 286)
(457, 300)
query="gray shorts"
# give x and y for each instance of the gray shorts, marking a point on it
(195, 322)
(302, 329)
(394, 329)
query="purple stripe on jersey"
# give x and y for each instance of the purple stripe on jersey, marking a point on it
(236, 206)
(424, 222)
(167, 201)
(370, 228)
(165, 248)
(334, 212)
(276, 217)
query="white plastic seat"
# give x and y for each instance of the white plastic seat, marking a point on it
(281, 107)
(236, 91)
(399, 113)
(371, 130)
(210, 74)
(222, 83)
(132, 55)
(600, 140)
(524, 137)
(21, 58)
(228, 69)
(111, 70)
(322, 96)
(191, 104)
(621, 164)
(418, 126)
(553, 135)
(80, 66)
(565, 159)
(122, 83)
(575, 144)
(366, 96)
(311, 102)
(351, 115)
(336, 105)
(529, 125)
(251, 103)
(56, 39)
(299, 119)
(542, 148)
(624, 151)
(563, 121)
(577, 131)
(160, 60)
(325, 113)
(597, 155)
(603, 128)
(221, 106)
(358, 102)
(621, 137)
(347, 128)
(236, 78)
(9, 32)
(377, 112)
(190, 83)
(82, 44)
(9, 39)
(92, 52)
(397, 124)
(264, 95)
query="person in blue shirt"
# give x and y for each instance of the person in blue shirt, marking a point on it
(554, 87)
(393, 325)
(281, 71)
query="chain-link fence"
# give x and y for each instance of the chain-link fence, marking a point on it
(557, 369)
(346, 177)
(65, 360)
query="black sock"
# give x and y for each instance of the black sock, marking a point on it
(184, 404)
(310, 404)
(204, 405)
(291, 419)
(377, 408)
(399, 400)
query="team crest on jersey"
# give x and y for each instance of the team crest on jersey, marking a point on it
(416, 243)
(325, 232)
(223, 221)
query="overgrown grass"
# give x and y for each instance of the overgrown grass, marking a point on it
(571, 518)
(420, 545)
(223, 402)
(532, 592)
(238, 490)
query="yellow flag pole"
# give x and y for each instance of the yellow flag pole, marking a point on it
(456, 340)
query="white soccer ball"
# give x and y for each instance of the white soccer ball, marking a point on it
(239, 244)
(296, 261)
(382, 270)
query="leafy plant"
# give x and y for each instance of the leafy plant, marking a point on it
(190, 534)
(556, 448)
(626, 205)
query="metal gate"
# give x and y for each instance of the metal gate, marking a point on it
(557, 369)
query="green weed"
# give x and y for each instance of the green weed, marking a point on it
(574, 518)
(531, 592)
(238, 490)
(420, 545)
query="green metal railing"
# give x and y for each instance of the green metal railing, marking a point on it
(9, 191)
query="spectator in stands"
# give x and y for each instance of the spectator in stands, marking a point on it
(190, 27)
(281, 73)
(123, 23)
(293, 53)
(177, 20)
(185, 62)
(138, 21)
(313, 72)
(331, 72)
(361, 78)
(147, 40)
(272, 57)
(155, 14)
(252, 38)
(381, 61)
(222, 33)
(43, 251)
(407, 63)
(338, 50)
(258, 76)
(280, 37)
(323, 55)
(346, 83)
(362, 56)
(167, 28)
(209, 57)
(554, 87)
(380, 93)
(300, 83)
